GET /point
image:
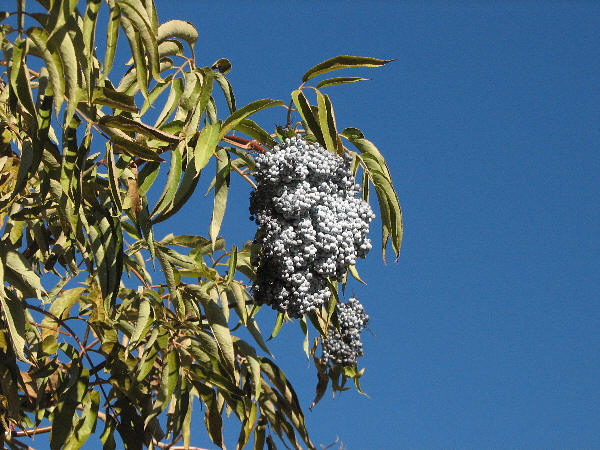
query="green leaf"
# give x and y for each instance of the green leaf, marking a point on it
(170, 47)
(343, 62)
(127, 145)
(110, 97)
(221, 191)
(53, 65)
(340, 80)
(206, 144)
(391, 213)
(304, 328)
(14, 315)
(278, 323)
(89, 34)
(232, 264)
(112, 36)
(123, 123)
(18, 272)
(253, 130)
(19, 78)
(327, 123)
(178, 29)
(169, 377)
(137, 14)
(219, 328)
(87, 422)
(173, 178)
(137, 51)
(142, 325)
(255, 332)
(354, 273)
(306, 112)
(184, 192)
(171, 103)
(236, 117)
(62, 416)
(227, 90)
(113, 181)
(236, 296)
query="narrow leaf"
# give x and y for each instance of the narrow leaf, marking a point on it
(342, 62)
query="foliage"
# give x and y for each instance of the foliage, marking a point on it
(77, 160)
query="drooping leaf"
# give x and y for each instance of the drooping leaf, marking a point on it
(178, 29)
(221, 191)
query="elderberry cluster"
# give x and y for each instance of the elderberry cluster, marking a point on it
(344, 346)
(311, 225)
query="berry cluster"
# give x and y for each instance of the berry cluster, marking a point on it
(344, 346)
(311, 225)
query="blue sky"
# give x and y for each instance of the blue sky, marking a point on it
(486, 331)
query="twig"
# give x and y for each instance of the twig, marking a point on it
(32, 431)
(246, 144)
(244, 176)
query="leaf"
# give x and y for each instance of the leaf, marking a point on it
(62, 416)
(59, 308)
(327, 123)
(278, 324)
(178, 29)
(342, 62)
(53, 65)
(242, 113)
(87, 422)
(126, 144)
(170, 47)
(221, 190)
(112, 36)
(304, 328)
(354, 273)
(205, 146)
(137, 14)
(253, 130)
(391, 213)
(14, 315)
(113, 181)
(219, 328)
(340, 80)
(169, 376)
(171, 103)
(306, 112)
(110, 97)
(89, 34)
(222, 65)
(19, 79)
(184, 192)
(227, 90)
(232, 264)
(18, 272)
(172, 182)
(62, 43)
(136, 50)
(142, 325)
(236, 296)
(255, 332)
(123, 123)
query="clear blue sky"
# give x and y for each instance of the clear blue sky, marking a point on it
(486, 332)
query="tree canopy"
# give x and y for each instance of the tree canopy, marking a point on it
(90, 337)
